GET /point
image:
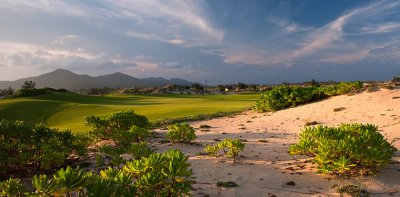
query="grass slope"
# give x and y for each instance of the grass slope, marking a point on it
(68, 111)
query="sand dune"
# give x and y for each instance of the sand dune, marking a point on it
(266, 167)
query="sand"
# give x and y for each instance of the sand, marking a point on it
(266, 167)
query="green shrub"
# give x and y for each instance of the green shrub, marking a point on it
(284, 96)
(110, 155)
(181, 132)
(348, 149)
(166, 174)
(341, 88)
(25, 146)
(140, 150)
(31, 92)
(105, 127)
(124, 129)
(40, 91)
(229, 147)
(11, 188)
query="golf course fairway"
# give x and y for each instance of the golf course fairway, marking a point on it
(68, 111)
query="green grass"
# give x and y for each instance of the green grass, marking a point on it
(68, 111)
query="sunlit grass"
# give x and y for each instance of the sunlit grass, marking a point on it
(68, 111)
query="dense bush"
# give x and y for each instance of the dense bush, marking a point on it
(119, 126)
(341, 88)
(127, 130)
(36, 92)
(348, 149)
(284, 96)
(229, 147)
(166, 174)
(181, 132)
(31, 92)
(26, 146)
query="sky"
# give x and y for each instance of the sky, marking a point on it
(223, 41)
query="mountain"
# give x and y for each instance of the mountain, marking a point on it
(66, 79)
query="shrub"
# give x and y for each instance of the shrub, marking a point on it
(40, 91)
(181, 132)
(348, 149)
(140, 150)
(105, 127)
(309, 123)
(25, 146)
(166, 174)
(123, 128)
(284, 96)
(110, 155)
(11, 188)
(31, 92)
(204, 126)
(342, 88)
(229, 147)
(227, 184)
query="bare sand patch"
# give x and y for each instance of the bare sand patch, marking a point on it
(265, 167)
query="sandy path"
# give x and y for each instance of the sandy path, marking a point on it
(266, 166)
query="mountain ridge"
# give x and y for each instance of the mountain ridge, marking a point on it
(61, 78)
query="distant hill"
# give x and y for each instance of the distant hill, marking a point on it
(66, 79)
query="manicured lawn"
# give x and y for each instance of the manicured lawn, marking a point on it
(68, 111)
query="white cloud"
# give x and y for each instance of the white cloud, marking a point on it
(65, 38)
(176, 42)
(177, 22)
(323, 45)
(287, 26)
(53, 6)
(378, 28)
(344, 58)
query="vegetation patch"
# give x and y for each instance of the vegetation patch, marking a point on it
(284, 96)
(25, 147)
(352, 190)
(204, 126)
(227, 184)
(118, 126)
(127, 130)
(166, 174)
(310, 123)
(229, 147)
(181, 132)
(338, 109)
(350, 149)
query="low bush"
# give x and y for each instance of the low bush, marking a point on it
(348, 149)
(12, 187)
(229, 147)
(25, 147)
(140, 150)
(39, 91)
(118, 126)
(127, 130)
(284, 96)
(181, 132)
(166, 174)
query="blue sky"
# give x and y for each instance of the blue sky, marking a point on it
(224, 41)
